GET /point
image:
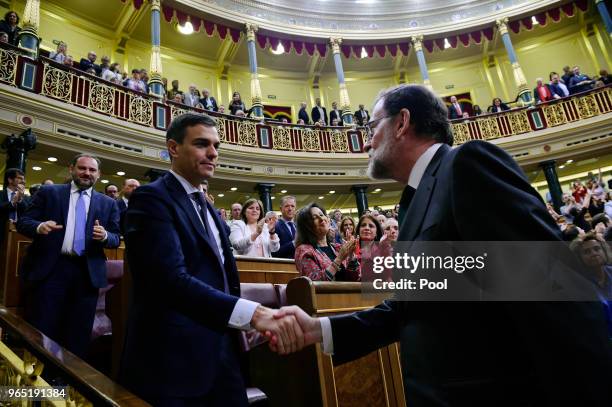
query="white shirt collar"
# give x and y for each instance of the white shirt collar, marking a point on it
(190, 189)
(74, 188)
(414, 179)
(125, 200)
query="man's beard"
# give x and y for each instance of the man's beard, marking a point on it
(378, 165)
(81, 185)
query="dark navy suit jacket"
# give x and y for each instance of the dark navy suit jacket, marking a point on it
(122, 210)
(287, 249)
(51, 203)
(179, 311)
(481, 354)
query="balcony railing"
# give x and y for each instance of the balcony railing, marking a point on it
(45, 77)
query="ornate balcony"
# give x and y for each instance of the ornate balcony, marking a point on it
(70, 106)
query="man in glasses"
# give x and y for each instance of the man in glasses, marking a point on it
(468, 353)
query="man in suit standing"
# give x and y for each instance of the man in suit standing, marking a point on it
(209, 102)
(111, 191)
(319, 113)
(285, 229)
(129, 185)
(303, 114)
(455, 110)
(528, 358)
(13, 200)
(65, 266)
(335, 114)
(90, 62)
(362, 115)
(186, 292)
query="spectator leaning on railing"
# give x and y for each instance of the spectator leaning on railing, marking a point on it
(10, 26)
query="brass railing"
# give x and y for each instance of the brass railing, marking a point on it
(75, 87)
(34, 364)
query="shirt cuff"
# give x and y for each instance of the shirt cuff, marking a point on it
(242, 314)
(38, 228)
(105, 237)
(328, 339)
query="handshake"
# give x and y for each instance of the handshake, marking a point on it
(289, 329)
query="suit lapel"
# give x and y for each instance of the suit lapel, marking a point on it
(415, 215)
(65, 202)
(184, 202)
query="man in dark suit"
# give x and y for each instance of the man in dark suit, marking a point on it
(13, 201)
(335, 114)
(455, 110)
(362, 115)
(90, 62)
(65, 266)
(285, 229)
(303, 114)
(208, 102)
(185, 284)
(129, 185)
(468, 353)
(319, 113)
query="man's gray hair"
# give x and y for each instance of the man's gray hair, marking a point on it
(285, 199)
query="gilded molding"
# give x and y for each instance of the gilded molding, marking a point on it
(335, 44)
(155, 66)
(251, 29)
(156, 5)
(519, 76)
(502, 25)
(417, 42)
(31, 15)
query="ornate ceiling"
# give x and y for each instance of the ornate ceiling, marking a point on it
(376, 18)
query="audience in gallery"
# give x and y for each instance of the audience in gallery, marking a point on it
(316, 256)
(391, 229)
(237, 104)
(571, 82)
(362, 115)
(254, 234)
(497, 106)
(135, 82)
(319, 113)
(10, 26)
(543, 92)
(455, 110)
(59, 55)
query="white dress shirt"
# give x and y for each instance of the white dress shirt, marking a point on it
(244, 309)
(414, 179)
(70, 219)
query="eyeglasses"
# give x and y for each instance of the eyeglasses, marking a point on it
(369, 126)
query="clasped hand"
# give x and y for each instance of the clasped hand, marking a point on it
(288, 329)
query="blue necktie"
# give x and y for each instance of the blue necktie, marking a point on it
(13, 212)
(292, 227)
(200, 200)
(80, 221)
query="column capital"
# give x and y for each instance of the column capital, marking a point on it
(599, 1)
(156, 5)
(251, 29)
(335, 44)
(417, 42)
(31, 15)
(502, 25)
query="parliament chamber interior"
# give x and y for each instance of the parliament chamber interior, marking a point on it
(196, 192)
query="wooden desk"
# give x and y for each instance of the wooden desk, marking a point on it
(13, 250)
(310, 378)
(265, 270)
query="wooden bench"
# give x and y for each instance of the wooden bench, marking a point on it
(310, 378)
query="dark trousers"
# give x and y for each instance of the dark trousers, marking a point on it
(227, 390)
(63, 305)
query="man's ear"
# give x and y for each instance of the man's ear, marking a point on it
(402, 123)
(172, 146)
